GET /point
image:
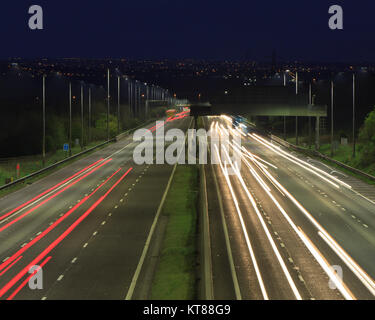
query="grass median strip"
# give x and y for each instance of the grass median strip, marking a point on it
(175, 274)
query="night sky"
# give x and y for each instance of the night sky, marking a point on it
(297, 29)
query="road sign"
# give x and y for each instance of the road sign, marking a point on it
(66, 146)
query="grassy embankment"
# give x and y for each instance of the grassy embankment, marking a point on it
(344, 154)
(29, 165)
(175, 275)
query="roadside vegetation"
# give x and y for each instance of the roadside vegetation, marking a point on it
(365, 145)
(57, 135)
(175, 275)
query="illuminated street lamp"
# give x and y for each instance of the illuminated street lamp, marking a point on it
(89, 128)
(118, 104)
(82, 129)
(332, 102)
(354, 95)
(70, 119)
(44, 120)
(108, 96)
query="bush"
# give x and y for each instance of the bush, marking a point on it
(55, 134)
(158, 112)
(367, 138)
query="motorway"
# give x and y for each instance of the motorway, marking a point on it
(281, 226)
(287, 229)
(85, 225)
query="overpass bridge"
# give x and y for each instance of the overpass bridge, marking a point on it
(269, 101)
(271, 110)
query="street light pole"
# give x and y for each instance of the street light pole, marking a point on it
(108, 96)
(118, 104)
(70, 119)
(310, 103)
(332, 101)
(354, 95)
(135, 99)
(44, 120)
(296, 102)
(284, 116)
(297, 83)
(82, 132)
(89, 128)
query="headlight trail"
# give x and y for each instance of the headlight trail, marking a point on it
(269, 237)
(308, 243)
(355, 268)
(248, 243)
(300, 162)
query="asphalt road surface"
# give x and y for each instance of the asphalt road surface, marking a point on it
(85, 225)
(294, 231)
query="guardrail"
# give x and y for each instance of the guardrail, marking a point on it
(36, 173)
(126, 133)
(31, 175)
(321, 156)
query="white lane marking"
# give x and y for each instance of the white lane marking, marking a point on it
(354, 267)
(365, 225)
(68, 182)
(121, 200)
(44, 298)
(51, 192)
(74, 260)
(40, 232)
(60, 278)
(151, 232)
(103, 223)
(116, 206)
(6, 259)
(244, 230)
(109, 214)
(318, 256)
(95, 233)
(85, 245)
